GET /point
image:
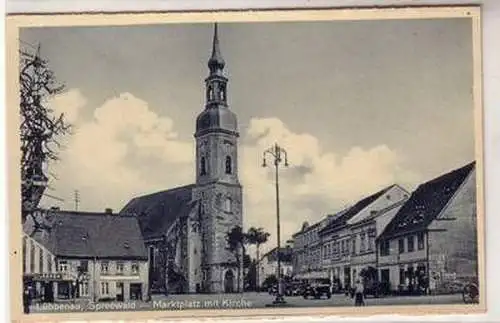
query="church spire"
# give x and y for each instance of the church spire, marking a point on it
(216, 62)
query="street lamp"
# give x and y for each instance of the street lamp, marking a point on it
(278, 155)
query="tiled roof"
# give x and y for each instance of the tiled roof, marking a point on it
(427, 202)
(353, 210)
(86, 235)
(156, 212)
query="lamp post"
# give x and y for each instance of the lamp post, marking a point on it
(278, 155)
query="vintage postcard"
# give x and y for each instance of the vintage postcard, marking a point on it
(209, 164)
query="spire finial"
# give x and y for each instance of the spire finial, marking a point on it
(216, 61)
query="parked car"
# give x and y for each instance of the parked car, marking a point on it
(317, 290)
(294, 289)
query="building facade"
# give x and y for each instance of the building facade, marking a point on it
(85, 255)
(268, 264)
(306, 255)
(185, 228)
(431, 244)
(349, 240)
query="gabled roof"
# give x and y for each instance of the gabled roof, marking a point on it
(427, 202)
(158, 211)
(88, 235)
(353, 210)
(325, 221)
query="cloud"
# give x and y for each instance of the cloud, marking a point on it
(317, 181)
(68, 103)
(126, 149)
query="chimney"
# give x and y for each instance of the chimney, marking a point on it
(108, 211)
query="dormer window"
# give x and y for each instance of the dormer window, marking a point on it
(229, 166)
(203, 166)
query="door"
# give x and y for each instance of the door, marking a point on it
(384, 276)
(229, 281)
(347, 277)
(119, 292)
(135, 292)
(48, 292)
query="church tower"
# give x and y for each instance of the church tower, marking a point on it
(217, 185)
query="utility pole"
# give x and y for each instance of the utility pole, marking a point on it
(77, 199)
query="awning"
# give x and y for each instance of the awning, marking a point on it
(314, 275)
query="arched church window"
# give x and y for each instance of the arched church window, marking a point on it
(227, 204)
(229, 166)
(203, 166)
(223, 93)
(210, 93)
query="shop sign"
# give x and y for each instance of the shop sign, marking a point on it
(46, 276)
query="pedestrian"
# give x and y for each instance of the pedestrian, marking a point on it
(359, 291)
(26, 299)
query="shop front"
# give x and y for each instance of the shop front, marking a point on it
(43, 286)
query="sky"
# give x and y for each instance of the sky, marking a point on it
(358, 105)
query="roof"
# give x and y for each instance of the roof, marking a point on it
(158, 211)
(286, 253)
(87, 234)
(325, 221)
(216, 61)
(353, 210)
(427, 202)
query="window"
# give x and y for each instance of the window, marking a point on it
(227, 205)
(401, 245)
(135, 268)
(104, 267)
(210, 93)
(363, 242)
(229, 166)
(49, 263)
(40, 260)
(84, 289)
(32, 257)
(401, 276)
(353, 246)
(203, 166)
(420, 239)
(84, 266)
(63, 265)
(119, 267)
(384, 248)
(411, 244)
(195, 251)
(104, 288)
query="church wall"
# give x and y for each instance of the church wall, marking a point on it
(194, 249)
(216, 222)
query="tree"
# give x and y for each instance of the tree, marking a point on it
(236, 240)
(40, 128)
(257, 236)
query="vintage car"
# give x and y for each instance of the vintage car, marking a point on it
(317, 290)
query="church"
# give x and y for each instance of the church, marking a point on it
(185, 228)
